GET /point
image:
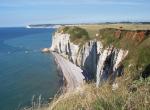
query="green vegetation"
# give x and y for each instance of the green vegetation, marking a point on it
(136, 98)
(77, 34)
(108, 36)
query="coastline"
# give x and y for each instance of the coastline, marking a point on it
(73, 79)
(72, 74)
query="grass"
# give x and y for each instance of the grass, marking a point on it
(138, 100)
(135, 97)
(138, 59)
(93, 29)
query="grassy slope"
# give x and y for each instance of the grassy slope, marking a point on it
(103, 98)
(133, 92)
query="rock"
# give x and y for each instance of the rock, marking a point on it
(109, 64)
(97, 34)
(137, 36)
(45, 50)
(118, 34)
(115, 86)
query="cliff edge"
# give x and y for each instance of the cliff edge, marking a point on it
(114, 59)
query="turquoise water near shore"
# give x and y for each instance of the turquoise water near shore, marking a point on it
(25, 71)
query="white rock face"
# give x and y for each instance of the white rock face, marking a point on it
(96, 61)
(101, 64)
(109, 64)
(87, 58)
(61, 44)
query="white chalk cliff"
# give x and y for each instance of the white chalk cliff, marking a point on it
(97, 61)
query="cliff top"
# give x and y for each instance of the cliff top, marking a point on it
(77, 34)
(136, 40)
(118, 35)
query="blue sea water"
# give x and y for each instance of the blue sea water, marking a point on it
(25, 71)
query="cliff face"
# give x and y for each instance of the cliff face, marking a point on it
(97, 62)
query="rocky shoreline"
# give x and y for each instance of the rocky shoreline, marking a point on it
(71, 72)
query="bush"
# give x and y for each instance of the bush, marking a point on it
(77, 34)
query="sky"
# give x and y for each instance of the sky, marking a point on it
(24, 12)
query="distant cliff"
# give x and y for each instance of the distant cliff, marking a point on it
(43, 26)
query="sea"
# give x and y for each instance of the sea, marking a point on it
(25, 73)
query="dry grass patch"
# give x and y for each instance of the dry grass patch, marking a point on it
(129, 96)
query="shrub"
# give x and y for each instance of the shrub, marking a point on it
(77, 34)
